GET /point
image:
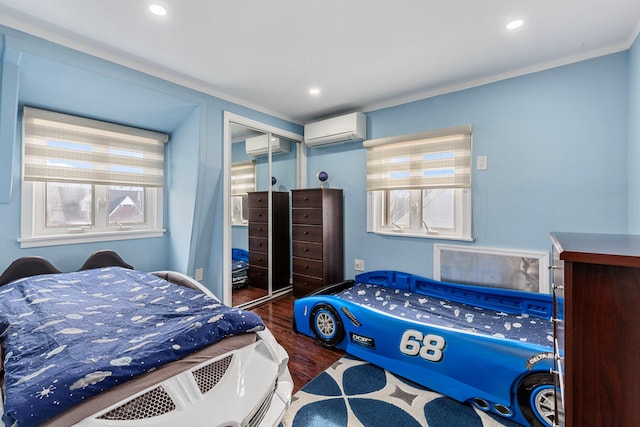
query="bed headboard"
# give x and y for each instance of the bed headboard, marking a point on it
(35, 265)
(104, 258)
(26, 267)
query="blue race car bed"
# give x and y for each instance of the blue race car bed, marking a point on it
(239, 268)
(490, 347)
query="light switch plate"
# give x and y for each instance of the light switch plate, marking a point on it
(481, 163)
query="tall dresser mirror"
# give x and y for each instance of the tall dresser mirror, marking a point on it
(263, 169)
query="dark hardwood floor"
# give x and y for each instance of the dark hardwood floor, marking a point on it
(246, 294)
(307, 359)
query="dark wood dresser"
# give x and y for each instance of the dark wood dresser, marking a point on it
(599, 275)
(317, 238)
(259, 240)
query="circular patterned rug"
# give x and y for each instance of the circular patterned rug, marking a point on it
(355, 393)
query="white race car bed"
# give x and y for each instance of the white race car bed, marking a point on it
(111, 346)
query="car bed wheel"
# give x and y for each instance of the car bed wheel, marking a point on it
(326, 325)
(536, 398)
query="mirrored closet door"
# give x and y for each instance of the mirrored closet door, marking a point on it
(263, 170)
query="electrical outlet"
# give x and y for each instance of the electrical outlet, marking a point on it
(199, 274)
(358, 264)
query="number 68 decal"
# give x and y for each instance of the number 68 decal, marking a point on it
(429, 346)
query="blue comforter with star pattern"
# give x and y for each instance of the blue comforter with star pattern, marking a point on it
(67, 337)
(450, 314)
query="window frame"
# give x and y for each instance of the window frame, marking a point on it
(33, 229)
(378, 200)
(243, 203)
(376, 207)
(33, 216)
(242, 196)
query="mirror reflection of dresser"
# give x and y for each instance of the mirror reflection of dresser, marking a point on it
(259, 157)
(259, 239)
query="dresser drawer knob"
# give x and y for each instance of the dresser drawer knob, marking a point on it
(306, 233)
(306, 249)
(306, 215)
(305, 198)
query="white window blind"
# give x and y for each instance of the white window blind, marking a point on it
(427, 160)
(64, 148)
(243, 178)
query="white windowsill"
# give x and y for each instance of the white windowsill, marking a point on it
(423, 236)
(87, 237)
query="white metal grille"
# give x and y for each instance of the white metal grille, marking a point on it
(151, 404)
(208, 376)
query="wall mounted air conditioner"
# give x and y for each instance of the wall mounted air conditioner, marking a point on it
(257, 146)
(347, 128)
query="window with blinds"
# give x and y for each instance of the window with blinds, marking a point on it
(243, 181)
(88, 177)
(65, 148)
(420, 185)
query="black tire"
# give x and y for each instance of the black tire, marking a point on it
(536, 399)
(326, 325)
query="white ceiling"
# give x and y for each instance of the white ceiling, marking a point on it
(362, 54)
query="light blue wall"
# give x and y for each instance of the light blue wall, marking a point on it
(52, 77)
(562, 146)
(182, 173)
(556, 143)
(634, 138)
(38, 73)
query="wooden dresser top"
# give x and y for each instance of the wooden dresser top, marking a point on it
(611, 249)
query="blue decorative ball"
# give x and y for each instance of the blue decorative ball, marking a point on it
(322, 176)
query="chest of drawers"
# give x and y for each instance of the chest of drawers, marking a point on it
(599, 277)
(317, 238)
(259, 240)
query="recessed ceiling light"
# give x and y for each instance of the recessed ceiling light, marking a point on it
(517, 23)
(156, 9)
(314, 91)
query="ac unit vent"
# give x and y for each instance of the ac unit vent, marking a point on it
(347, 128)
(257, 146)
